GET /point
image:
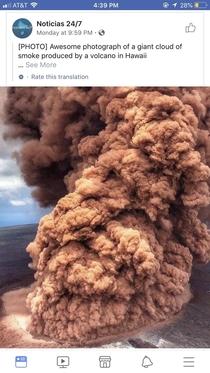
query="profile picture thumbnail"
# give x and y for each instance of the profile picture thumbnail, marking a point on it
(22, 28)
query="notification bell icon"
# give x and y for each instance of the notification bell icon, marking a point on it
(146, 362)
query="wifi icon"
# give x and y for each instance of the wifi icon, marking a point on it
(34, 4)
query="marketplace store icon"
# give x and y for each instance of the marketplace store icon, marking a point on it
(22, 28)
(105, 361)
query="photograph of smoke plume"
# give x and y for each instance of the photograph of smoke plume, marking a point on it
(105, 221)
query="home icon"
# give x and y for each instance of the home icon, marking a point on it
(105, 361)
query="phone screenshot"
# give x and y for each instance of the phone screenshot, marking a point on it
(105, 186)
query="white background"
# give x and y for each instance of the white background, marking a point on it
(122, 360)
(185, 67)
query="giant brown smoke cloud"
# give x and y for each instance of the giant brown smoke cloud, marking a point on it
(132, 166)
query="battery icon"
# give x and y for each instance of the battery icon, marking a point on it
(200, 5)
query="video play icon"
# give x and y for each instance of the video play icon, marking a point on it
(63, 361)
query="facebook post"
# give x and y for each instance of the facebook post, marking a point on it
(105, 186)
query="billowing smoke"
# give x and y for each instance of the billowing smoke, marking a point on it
(52, 130)
(132, 166)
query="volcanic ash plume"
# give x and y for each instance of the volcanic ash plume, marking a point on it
(116, 253)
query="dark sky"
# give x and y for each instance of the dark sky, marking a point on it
(16, 205)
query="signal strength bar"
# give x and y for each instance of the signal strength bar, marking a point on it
(8, 5)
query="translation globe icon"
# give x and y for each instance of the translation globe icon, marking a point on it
(21, 361)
